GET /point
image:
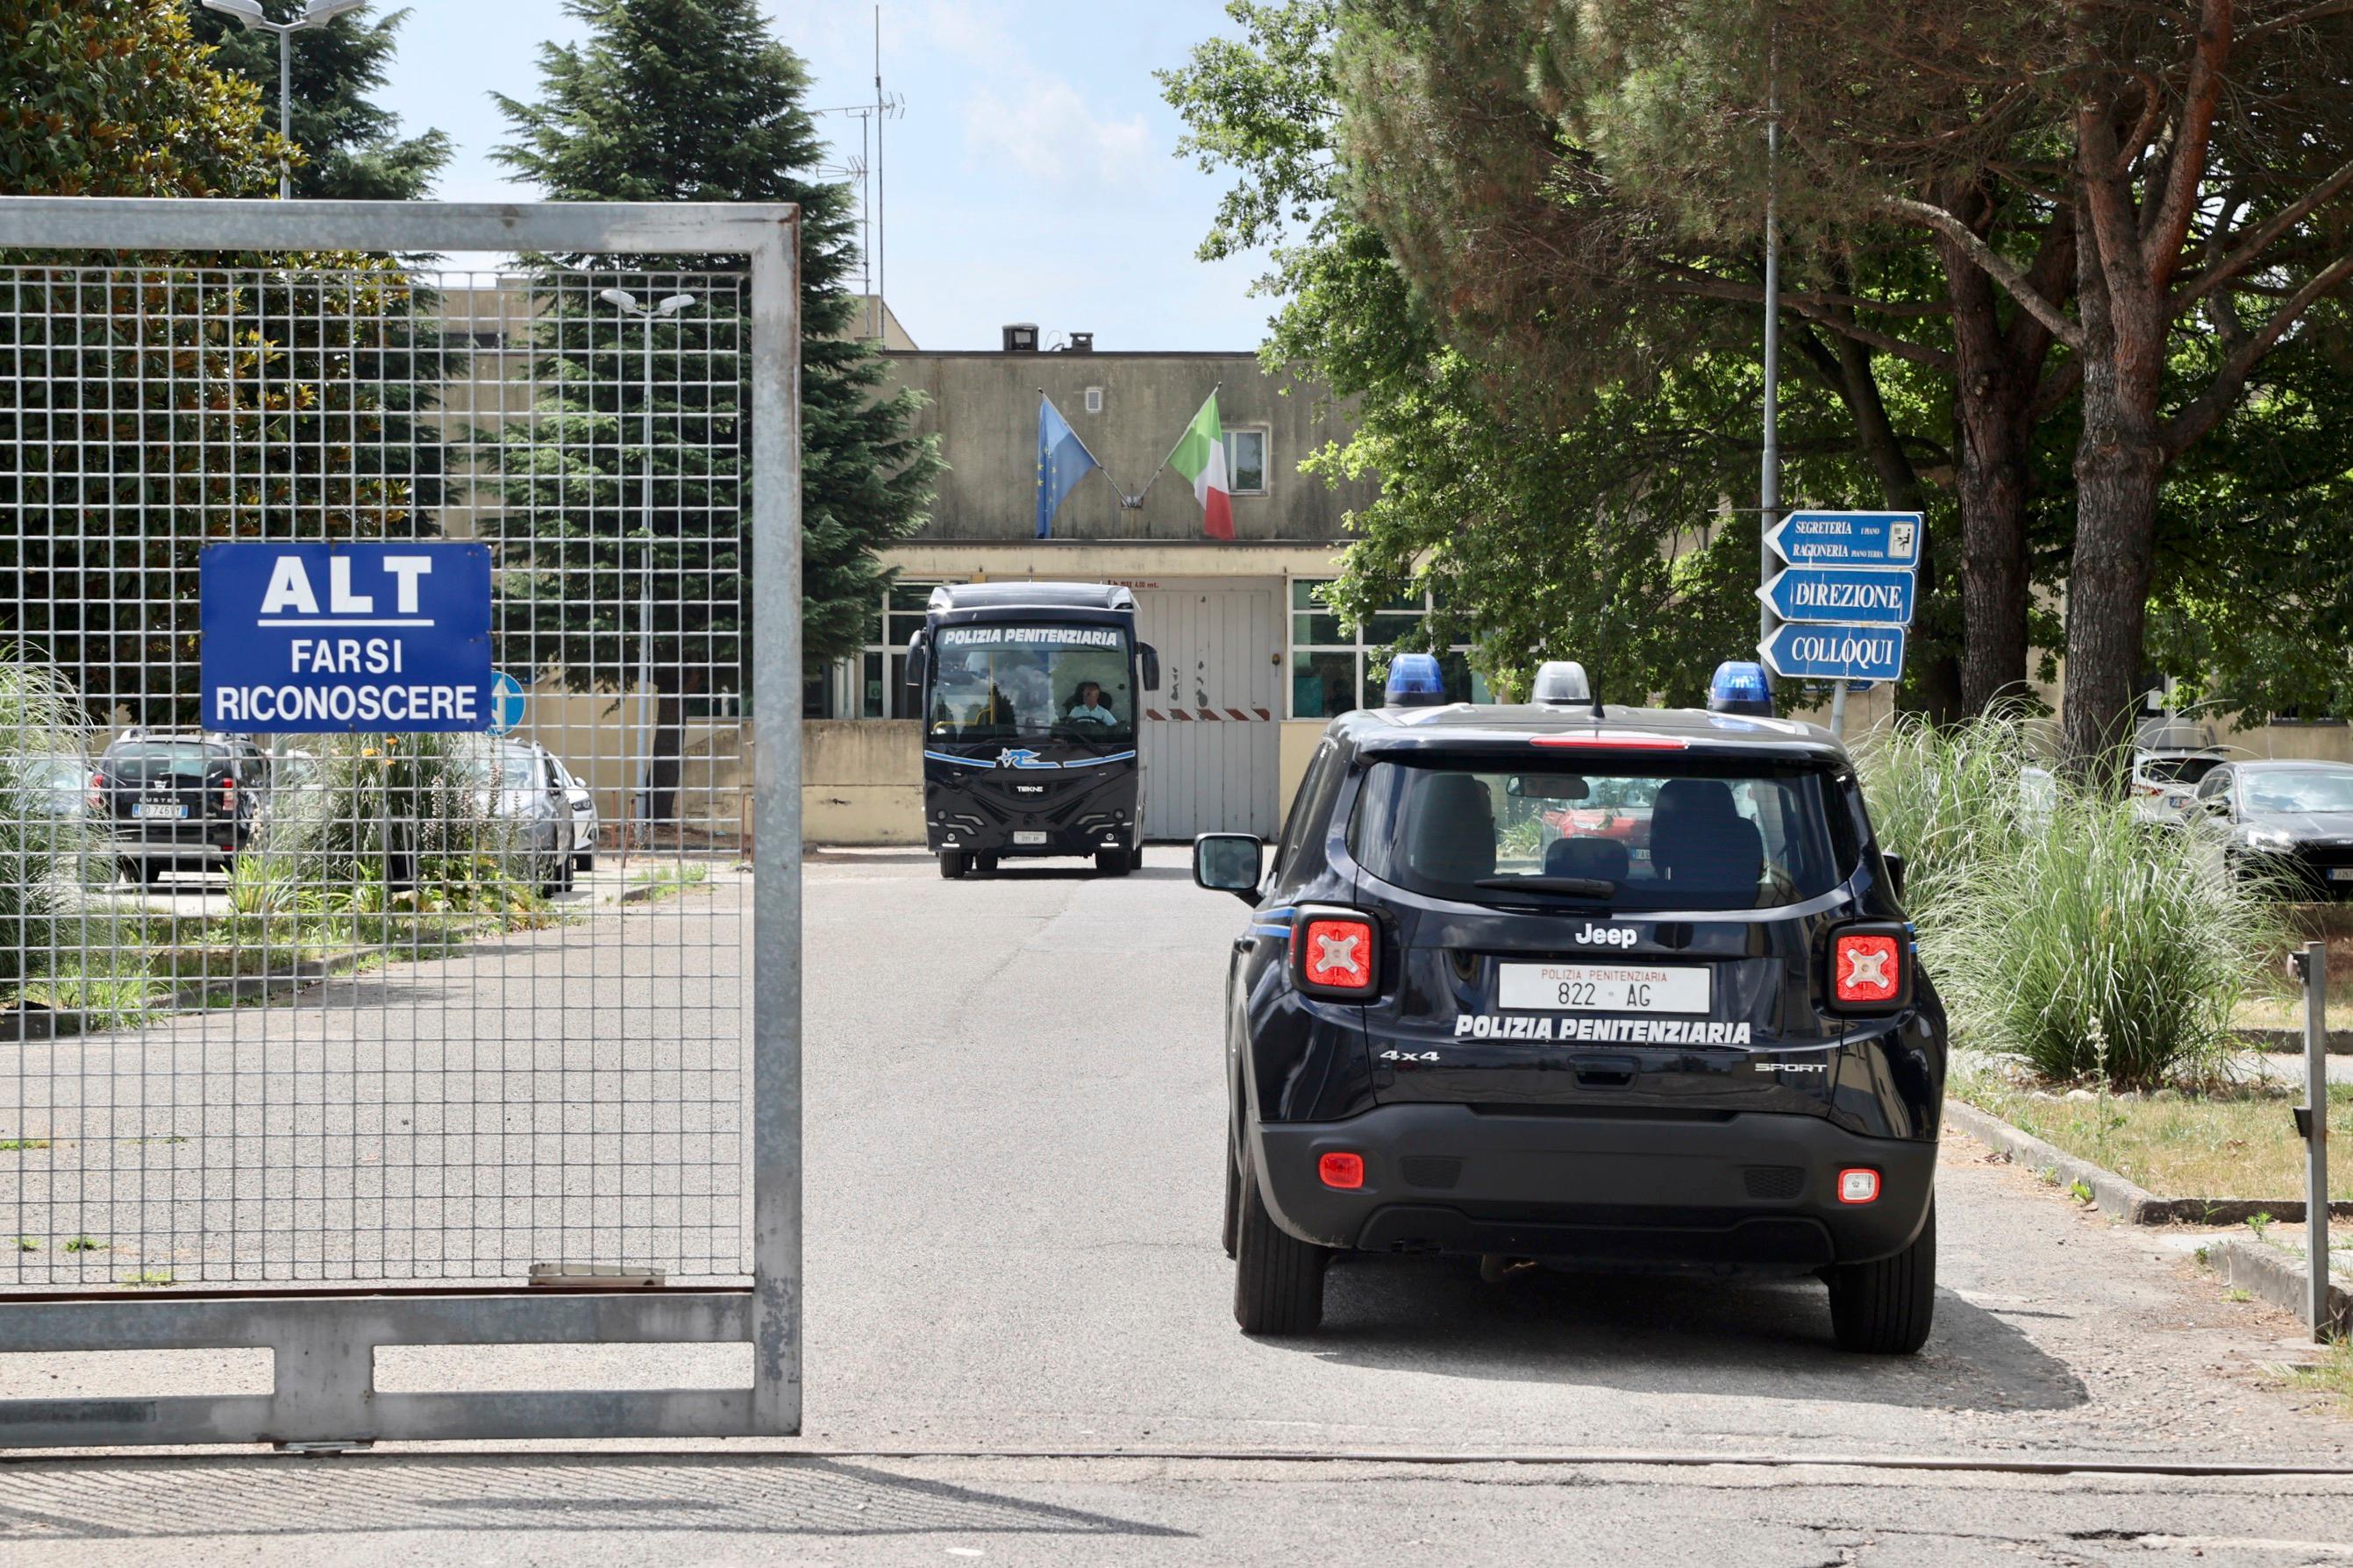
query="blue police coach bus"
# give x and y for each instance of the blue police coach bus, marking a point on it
(1028, 694)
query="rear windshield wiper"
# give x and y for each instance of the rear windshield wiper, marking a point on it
(1568, 887)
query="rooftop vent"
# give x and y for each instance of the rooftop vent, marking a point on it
(1082, 343)
(1022, 338)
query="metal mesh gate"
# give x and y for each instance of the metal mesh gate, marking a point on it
(298, 996)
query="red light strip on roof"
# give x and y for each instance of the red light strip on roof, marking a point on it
(1612, 742)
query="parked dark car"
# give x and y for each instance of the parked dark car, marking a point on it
(2285, 820)
(179, 801)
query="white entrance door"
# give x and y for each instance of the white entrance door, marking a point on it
(1210, 735)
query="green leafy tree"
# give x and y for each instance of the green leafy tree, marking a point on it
(2174, 186)
(125, 388)
(1557, 472)
(351, 146)
(114, 97)
(690, 101)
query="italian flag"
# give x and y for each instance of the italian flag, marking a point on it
(1200, 456)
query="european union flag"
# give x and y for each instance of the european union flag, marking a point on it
(1062, 462)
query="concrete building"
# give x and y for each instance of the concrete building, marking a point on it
(1251, 666)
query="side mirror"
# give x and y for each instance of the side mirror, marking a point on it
(918, 661)
(1148, 657)
(1229, 863)
(1895, 864)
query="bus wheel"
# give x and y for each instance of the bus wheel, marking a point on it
(1114, 862)
(953, 863)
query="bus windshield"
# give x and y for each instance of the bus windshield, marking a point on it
(1031, 682)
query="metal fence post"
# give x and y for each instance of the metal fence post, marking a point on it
(2312, 1118)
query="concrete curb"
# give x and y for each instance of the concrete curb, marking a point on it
(2273, 1274)
(2111, 1193)
(2282, 1042)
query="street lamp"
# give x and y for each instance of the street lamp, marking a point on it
(629, 304)
(315, 14)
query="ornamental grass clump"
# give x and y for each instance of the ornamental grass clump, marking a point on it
(44, 840)
(2067, 931)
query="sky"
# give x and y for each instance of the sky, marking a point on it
(1032, 178)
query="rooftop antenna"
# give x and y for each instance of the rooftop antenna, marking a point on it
(865, 171)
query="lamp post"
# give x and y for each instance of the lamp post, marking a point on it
(315, 14)
(642, 808)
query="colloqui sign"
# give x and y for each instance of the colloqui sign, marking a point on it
(334, 638)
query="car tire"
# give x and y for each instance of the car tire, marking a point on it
(152, 871)
(585, 862)
(953, 864)
(1278, 1278)
(1112, 863)
(1887, 1307)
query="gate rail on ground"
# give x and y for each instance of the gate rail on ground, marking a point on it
(323, 1316)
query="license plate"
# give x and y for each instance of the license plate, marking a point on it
(1604, 988)
(2340, 873)
(159, 808)
(1028, 839)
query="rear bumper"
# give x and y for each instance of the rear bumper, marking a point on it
(1745, 1189)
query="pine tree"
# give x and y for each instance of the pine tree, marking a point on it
(351, 146)
(690, 101)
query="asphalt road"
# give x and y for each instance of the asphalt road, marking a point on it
(1013, 1166)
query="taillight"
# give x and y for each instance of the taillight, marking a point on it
(98, 791)
(1335, 954)
(1346, 1172)
(1858, 1185)
(228, 797)
(1869, 969)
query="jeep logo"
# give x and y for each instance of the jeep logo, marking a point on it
(1605, 936)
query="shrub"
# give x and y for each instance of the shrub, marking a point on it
(388, 814)
(2066, 931)
(43, 852)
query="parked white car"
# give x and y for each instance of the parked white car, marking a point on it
(583, 804)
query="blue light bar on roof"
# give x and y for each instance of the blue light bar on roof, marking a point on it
(1415, 681)
(1738, 686)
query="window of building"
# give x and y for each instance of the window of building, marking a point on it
(1332, 672)
(879, 673)
(1246, 446)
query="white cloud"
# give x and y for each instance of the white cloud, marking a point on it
(1045, 128)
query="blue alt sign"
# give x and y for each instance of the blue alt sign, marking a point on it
(334, 638)
(1835, 652)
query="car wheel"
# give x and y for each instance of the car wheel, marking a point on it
(585, 862)
(1112, 863)
(953, 864)
(1278, 1278)
(1885, 1308)
(152, 871)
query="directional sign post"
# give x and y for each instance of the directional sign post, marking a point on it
(321, 639)
(1872, 596)
(1840, 653)
(1848, 539)
(506, 703)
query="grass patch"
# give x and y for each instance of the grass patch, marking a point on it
(85, 1244)
(28, 1244)
(148, 1278)
(2222, 1143)
(667, 881)
(2331, 1374)
(18, 1145)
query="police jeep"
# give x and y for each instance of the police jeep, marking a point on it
(1594, 986)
